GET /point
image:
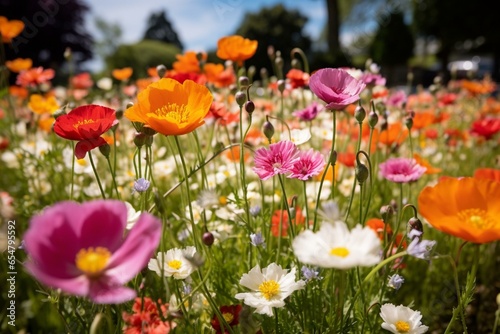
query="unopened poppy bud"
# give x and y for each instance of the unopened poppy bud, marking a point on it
(263, 73)
(333, 158)
(415, 224)
(361, 172)
(386, 212)
(161, 70)
(130, 105)
(59, 112)
(148, 131)
(208, 238)
(200, 56)
(119, 113)
(67, 53)
(249, 107)
(296, 64)
(268, 130)
(244, 81)
(409, 122)
(383, 125)
(105, 149)
(292, 213)
(251, 71)
(394, 205)
(149, 141)
(281, 85)
(360, 114)
(270, 52)
(372, 119)
(139, 139)
(380, 107)
(241, 98)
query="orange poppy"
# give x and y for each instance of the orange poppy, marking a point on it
(424, 163)
(297, 78)
(45, 123)
(478, 87)
(43, 105)
(468, 208)
(188, 62)
(233, 154)
(487, 173)
(236, 48)
(18, 91)
(10, 29)
(422, 120)
(122, 74)
(379, 226)
(491, 106)
(19, 64)
(394, 134)
(329, 174)
(35, 76)
(171, 108)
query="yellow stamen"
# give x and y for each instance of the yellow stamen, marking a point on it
(81, 162)
(172, 112)
(228, 317)
(339, 251)
(269, 289)
(85, 121)
(402, 326)
(477, 217)
(174, 264)
(223, 200)
(92, 260)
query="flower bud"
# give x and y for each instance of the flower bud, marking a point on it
(208, 238)
(148, 131)
(59, 112)
(293, 213)
(361, 172)
(139, 139)
(409, 122)
(384, 125)
(251, 71)
(249, 107)
(372, 119)
(268, 130)
(360, 114)
(333, 157)
(386, 212)
(105, 149)
(149, 141)
(244, 82)
(281, 85)
(130, 104)
(263, 73)
(296, 64)
(241, 98)
(415, 224)
(119, 113)
(161, 70)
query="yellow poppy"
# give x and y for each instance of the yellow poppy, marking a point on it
(236, 48)
(468, 208)
(19, 64)
(42, 105)
(122, 74)
(171, 108)
(10, 29)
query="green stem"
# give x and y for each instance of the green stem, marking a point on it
(287, 206)
(96, 175)
(305, 204)
(113, 177)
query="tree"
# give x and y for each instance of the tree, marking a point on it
(51, 26)
(110, 38)
(159, 28)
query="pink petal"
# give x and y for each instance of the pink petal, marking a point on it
(78, 285)
(107, 292)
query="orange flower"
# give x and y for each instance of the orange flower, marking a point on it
(188, 62)
(478, 87)
(282, 216)
(45, 123)
(468, 208)
(488, 174)
(394, 134)
(219, 76)
(122, 74)
(42, 105)
(424, 163)
(379, 227)
(10, 29)
(297, 78)
(233, 154)
(18, 91)
(171, 108)
(236, 48)
(34, 76)
(19, 64)
(422, 120)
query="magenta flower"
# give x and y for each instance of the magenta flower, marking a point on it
(373, 79)
(396, 99)
(336, 87)
(401, 170)
(278, 159)
(81, 249)
(310, 164)
(309, 113)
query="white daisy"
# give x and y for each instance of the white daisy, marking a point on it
(401, 319)
(174, 262)
(269, 287)
(297, 136)
(334, 246)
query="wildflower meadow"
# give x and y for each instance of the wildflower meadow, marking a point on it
(201, 199)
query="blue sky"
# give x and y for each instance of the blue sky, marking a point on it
(199, 23)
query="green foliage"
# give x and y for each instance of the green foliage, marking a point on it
(160, 29)
(393, 42)
(142, 55)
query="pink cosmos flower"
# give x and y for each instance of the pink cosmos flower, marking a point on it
(401, 170)
(310, 164)
(336, 87)
(278, 159)
(80, 249)
(309, 113)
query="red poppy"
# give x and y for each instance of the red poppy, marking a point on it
(283, 216)
(85, 124)
(486, 127)
(34, 76)
(231, 314)
(297, 78)
(380, 227)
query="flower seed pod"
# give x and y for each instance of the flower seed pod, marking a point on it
(241, 98)
(148, 131)
(208, 238)
(361, 172)
(415, 224)
(105, 150)
(139, 139)
(333, 158)
(249, 107)
(281, 85)
(268, 130)
(161, 70)
(244, 82)
(386, 212)
(372, 119)
(360, 113)
(409, 122)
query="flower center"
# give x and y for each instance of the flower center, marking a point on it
(173, 112)
(228, 317)
(269, 289)
(402, 326)
(174, 264)
(477, 217)
(339, 251)
(81, 162)
(92, 260)
(83, 122)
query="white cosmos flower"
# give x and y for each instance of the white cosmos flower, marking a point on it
(269, 287)
(132, 215)
(334, 246)
(297, 136)
(401, 319)
(174, 262)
